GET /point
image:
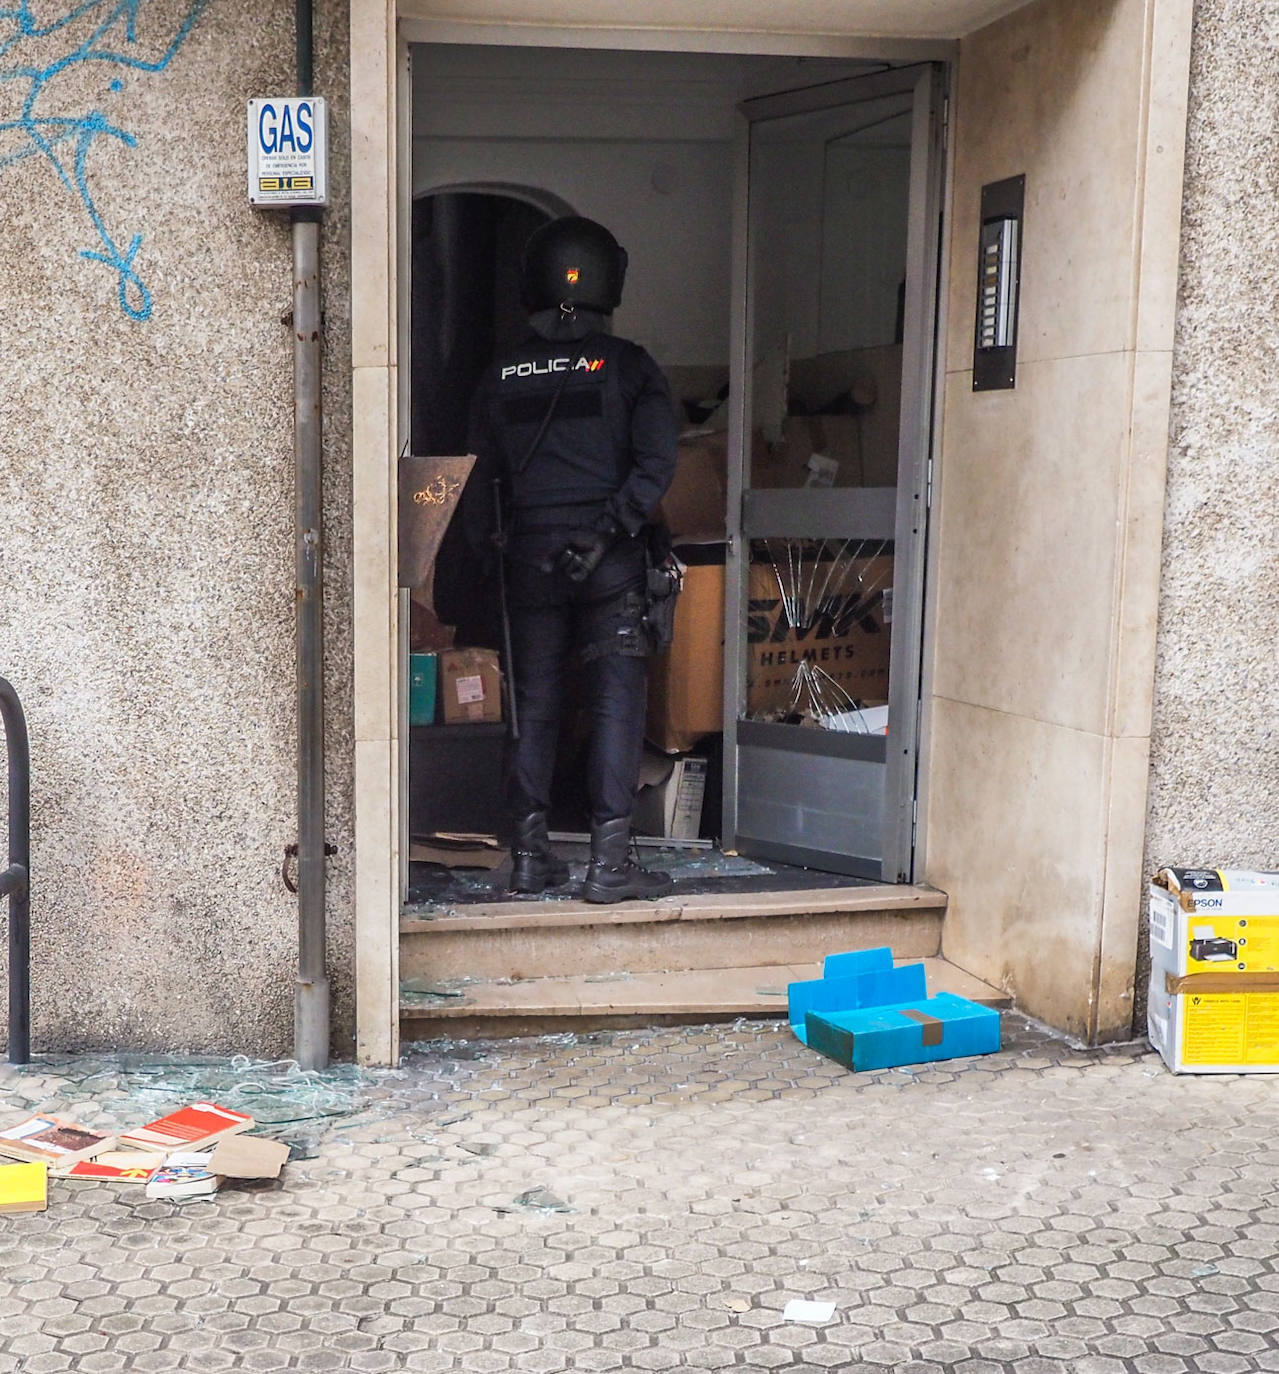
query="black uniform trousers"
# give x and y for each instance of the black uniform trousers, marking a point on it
(598, 620)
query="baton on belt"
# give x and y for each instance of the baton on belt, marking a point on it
(506, 614)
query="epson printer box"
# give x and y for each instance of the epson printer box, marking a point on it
(1214, 970)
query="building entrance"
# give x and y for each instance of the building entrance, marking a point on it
(781, 217)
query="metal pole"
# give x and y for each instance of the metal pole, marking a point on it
(302, 32)
(15, 880)
(311, 1004)
(505, 609)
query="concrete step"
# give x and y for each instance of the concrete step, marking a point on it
(472, 1009)
(534, 939)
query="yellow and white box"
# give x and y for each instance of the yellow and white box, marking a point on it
(1214, 970)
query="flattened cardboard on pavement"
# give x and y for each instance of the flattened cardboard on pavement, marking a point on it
(248, 1156)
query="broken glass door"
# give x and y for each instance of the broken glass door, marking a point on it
(836, 303)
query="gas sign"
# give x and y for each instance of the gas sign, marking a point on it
(288, 151)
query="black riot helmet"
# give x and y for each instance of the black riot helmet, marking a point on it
(573, 262)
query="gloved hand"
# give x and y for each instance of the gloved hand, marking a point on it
(581, 555)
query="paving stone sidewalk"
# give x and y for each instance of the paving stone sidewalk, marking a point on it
(652, 1201)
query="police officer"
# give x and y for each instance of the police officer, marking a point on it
(581, 430)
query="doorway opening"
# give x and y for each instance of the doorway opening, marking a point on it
(782, 273)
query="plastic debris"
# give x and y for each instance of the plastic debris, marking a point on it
(813, 1313)
(539, 1199)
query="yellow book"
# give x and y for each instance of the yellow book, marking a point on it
(24, 1187)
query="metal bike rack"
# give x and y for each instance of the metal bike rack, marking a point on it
(15, 881)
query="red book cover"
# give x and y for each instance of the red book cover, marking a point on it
(118, 1168)
(196, 1124)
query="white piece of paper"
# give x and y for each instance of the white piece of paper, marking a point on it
(800, 1310)
(470, 689)
(822, 470)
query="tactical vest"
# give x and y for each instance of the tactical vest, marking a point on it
(584, 453)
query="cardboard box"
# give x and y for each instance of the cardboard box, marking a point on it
(686, 684)
(672, 807)
(840, 650)
(696, 503)
(427, 632)
(866, 1013)
(815, 451)
(1213, 1004)
(823, 451)
(470, 685)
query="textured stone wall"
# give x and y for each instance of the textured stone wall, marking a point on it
(1214, 794)
(146, 582)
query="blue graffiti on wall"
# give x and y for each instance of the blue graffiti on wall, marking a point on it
(65, 141)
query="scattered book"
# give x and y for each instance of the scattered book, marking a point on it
(115, 1166)
(184, 1174)
(192, 1128)
(24, 1188)
(51, 1140)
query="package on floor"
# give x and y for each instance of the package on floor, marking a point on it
(1213, 1004)
(865, 1012)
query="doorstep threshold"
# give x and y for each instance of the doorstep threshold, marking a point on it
(569, 911)
(473, 1007)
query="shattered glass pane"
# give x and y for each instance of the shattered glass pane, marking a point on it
(122, 1090)
(819, 632)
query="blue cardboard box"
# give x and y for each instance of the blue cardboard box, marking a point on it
(865, 1013)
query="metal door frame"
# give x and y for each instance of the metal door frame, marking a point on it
(919, 351)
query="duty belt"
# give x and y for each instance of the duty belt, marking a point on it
(581, 516)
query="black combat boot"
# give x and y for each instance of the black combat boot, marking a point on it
(534, 866)
(612, 877)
